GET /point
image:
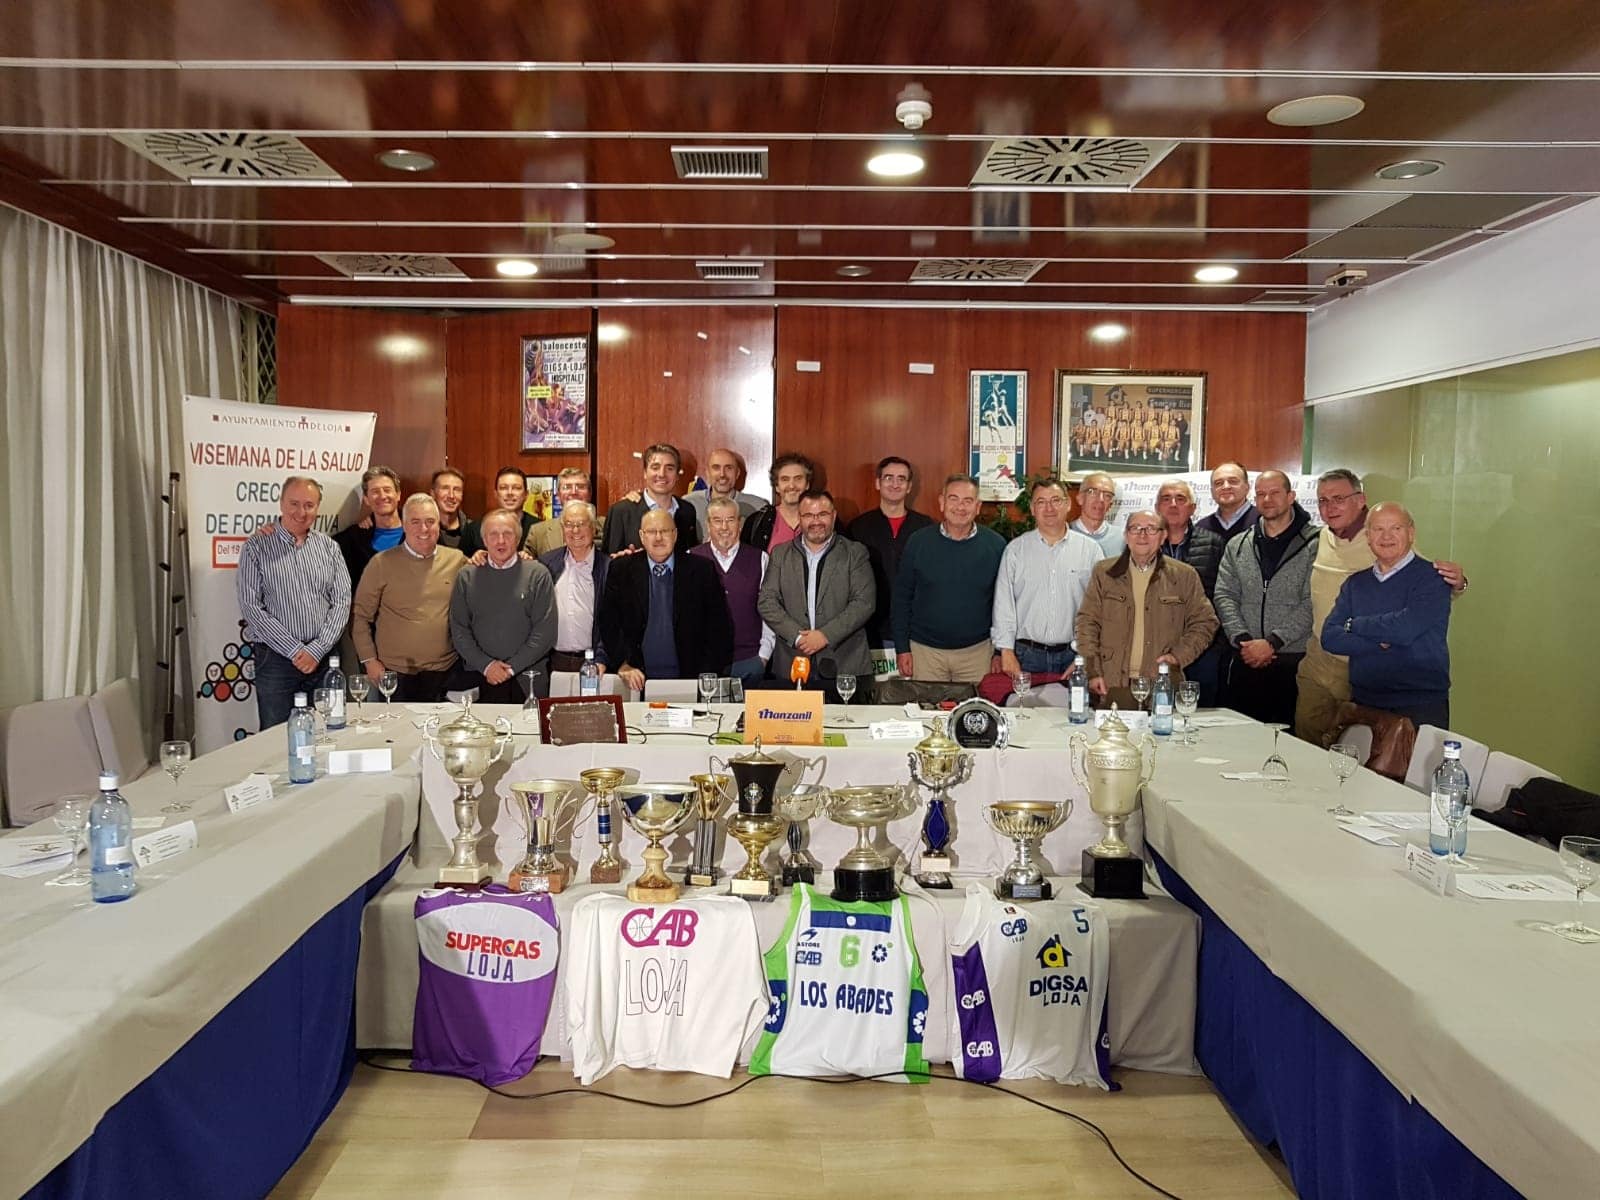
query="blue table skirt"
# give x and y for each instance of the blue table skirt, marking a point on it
(233, 1109)
(1296, 1082)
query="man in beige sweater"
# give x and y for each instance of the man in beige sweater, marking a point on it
(1342, 550)
(400, 619)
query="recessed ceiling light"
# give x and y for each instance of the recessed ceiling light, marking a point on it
(1315, 110)
(1216, 274)
(854, 270)
(609, 334)
(895, 164)
(1411, 168)
(407, 160)
(583, 241)
(1108, 331)
(516, 268)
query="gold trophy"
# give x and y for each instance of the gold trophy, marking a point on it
(601, 783)
(863, 873)
(1025, 822)
(712, 792)
(544, 804)
(938, 764)
(755, 833)
(466, 747)
(1112, 770)
(655, 810)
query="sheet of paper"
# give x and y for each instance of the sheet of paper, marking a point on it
(1516, 887)
(21, 851)
(42, 866)
(1216, 720)
(1406, 821)
(1211, 762)
(1375, 834)
(1243, 776)
(353, 762)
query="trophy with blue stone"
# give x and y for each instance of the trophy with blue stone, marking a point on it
(938, 764)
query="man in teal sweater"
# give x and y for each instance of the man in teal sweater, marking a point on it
(1393, 621)
(944, 592)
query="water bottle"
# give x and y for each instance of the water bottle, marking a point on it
(302, 742)
(1078, 693)
(334, 681)
(1161, 702)
(111, 864)
(589, 675)
(1450, 780)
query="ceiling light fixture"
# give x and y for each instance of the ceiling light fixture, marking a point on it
(1315, 110)
(1216, 274)
(1410, 168)
(407, 160)
(701, 334)
(895, 164)
(609, 334)
(583, 241)
(516, 268)
(854, 270)
(1108, 331)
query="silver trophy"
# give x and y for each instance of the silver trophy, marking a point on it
(938, 764)
(466, 747)
(1025, 822)
(802, 803)
(545, 806)
(864, 873)
(1112, 769)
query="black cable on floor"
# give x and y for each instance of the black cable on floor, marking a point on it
(370, 1058)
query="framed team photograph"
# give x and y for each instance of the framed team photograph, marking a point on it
(1132, 424)
(997, 424)
(555, 393)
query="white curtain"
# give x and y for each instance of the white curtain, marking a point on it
(97, 351)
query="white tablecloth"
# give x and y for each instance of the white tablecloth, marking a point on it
(1483, 1021)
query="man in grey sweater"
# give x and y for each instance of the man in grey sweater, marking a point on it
(1263, 599)
(503, 617)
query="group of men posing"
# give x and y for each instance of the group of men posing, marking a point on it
(1273, 615)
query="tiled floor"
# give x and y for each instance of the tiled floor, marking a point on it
(418, 1136)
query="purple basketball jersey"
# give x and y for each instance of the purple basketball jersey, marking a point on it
(487, 965)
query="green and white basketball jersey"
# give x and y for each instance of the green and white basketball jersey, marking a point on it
(847, 992)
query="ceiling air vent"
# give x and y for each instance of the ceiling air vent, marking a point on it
(368, 268)
(730, 270)
(1070, 163)
(217, 155)
(720, 162)
(976, 270)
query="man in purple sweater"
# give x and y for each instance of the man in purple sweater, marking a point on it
(741, 569)
(1393, 622)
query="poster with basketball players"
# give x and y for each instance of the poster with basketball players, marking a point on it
(997, 404)
(1109, 421)
(555, 393)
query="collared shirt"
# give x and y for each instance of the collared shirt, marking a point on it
(1383, 576)
(725, 561)
(1178, 550)
(293, 595)
(505, 566)
(1238, 515)
(1040, 587)
(813, 558)
(1107, 537)
(971, 533)
(656, 567)
(414, 554)
(649, 502)
(575, 605)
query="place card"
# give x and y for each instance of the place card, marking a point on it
(882, 731)
(165, 843)
(670, 718)
(254, 789)
(1429, 870)
(360, 762)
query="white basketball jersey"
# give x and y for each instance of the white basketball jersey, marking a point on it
(676, 987)
(847, 992)
(1030, 990)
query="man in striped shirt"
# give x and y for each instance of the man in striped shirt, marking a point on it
(294, 596)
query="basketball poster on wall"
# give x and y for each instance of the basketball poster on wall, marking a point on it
(555, 393)
(997, 415)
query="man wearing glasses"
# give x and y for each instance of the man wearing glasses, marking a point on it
(1043, 577)
(1342, 551)
(1095, 495)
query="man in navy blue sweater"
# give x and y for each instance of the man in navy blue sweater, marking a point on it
(1393, 622)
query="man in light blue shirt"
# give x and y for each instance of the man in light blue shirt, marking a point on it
(1095, 496)
(1043, 577)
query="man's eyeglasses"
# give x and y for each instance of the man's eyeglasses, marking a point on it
(1144, 530)
(1097, 492)
(1326, 501)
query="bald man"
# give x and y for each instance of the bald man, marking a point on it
(1393, 622)
(724, 476)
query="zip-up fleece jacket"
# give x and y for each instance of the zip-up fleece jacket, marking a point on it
(1276, 606)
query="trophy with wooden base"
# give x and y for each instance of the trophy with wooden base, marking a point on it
(755, 833)
(466, 748)
(545, 803)
(601, 783)
(1112, 770)
(938, 764)
(802, 803)
(712, 792)
(1025, 822)
(655, 810)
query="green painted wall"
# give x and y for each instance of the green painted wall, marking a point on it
(1500, 470)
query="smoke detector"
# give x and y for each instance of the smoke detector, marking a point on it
(914, 107)
(1346, 277)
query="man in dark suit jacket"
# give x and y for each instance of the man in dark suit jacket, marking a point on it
(827, 620)
(662, 464)
(884, 531)
(664, 615)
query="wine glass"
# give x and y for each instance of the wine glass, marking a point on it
(72, 818)
(175, 758)
(1345, 761)
(1139, 685)
(530, 699)
(1022, 684)
(360, 685)
(1275, 771)
(846, 686)
(1580, 861)
(322, 701)
(388, 684)
(1188, 702)
(709, 681)
(1453, 808)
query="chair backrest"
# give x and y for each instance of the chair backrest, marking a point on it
(565, 683)
(118, 730)
(1429, 752)
(672, 689)
(1358, 737)
(1502, 773)
(47, 750)
(904, 691)
(1390, 739)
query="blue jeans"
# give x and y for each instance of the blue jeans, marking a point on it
(1044, 662)
(277, 680)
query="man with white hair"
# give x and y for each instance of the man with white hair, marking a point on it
(400, 620)
(572, 485)
(1202, 549)
(579, 571)
(741, 569)
(1095, 496)
(503, 618)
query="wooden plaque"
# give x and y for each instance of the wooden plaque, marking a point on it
(567, 720)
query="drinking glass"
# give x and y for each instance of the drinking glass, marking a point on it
(1275, 771)
(72, 818)
(1580, 860)
(846, 685)
(175, 758)
(360, 685)
(388, 684)
(322, 701)
(1187, 703)
(1022, 684)
(708, 686)
(1139, 685)
(1453, 810)
(530, 702)
(1345, 761)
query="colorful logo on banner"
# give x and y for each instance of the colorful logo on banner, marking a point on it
(492, 943)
